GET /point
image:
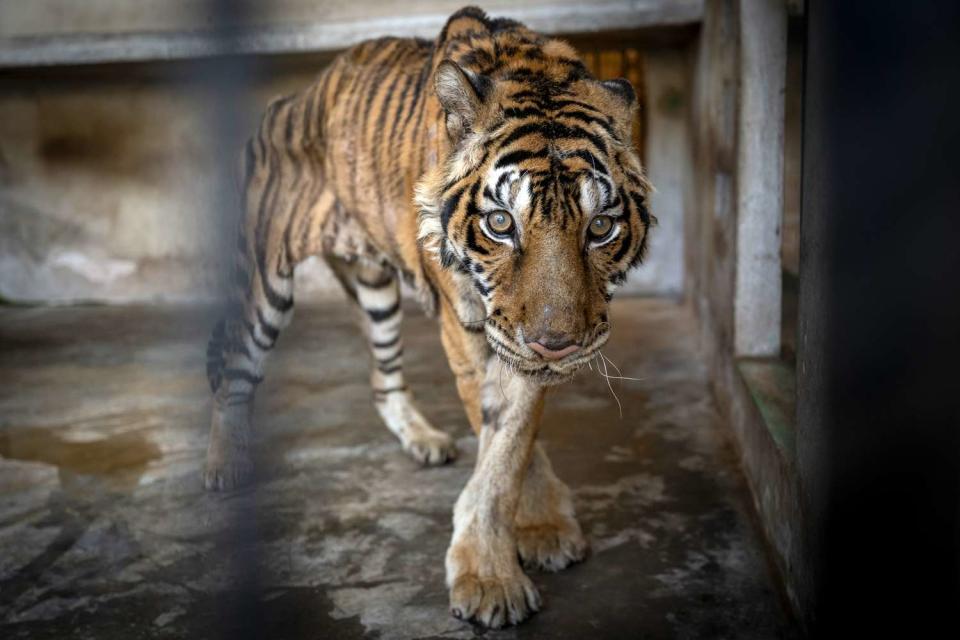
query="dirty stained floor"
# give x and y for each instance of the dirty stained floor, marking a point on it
(106, 533)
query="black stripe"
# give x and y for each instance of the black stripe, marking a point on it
(516, 113)
(387, 361)
(382, 121)
(382, 283)
(307, 124)
(388, 390)
(288, 134)
(641, 251)
(627, 237)
(278, 301)
(293, 157)
(575, 132)
(515, 157)
(261, 146)
(501, 183)
(447, 257)
(608, 191)
(237, 345)
(472, 209)
(240, 374)
(640, 203)
(385, 370)
(522, 75)
(450, 206)
(559, 104)
(472, 241)
(484, 291)
(379, 315)
(386, 343)
(425, 74)
(521, 96)
(288, 232)
(588, 119)
(521, 132)
(408, 81)
(417, 92)
(263, 346)
(589, 158)
(259, 241)
(382, 116)
(378, 72)
(266, 328)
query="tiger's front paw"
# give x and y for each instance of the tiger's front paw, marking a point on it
(430, 448)
(229, 464)
(551, 546)
(491, 591)
(494, 601)
(225, 473)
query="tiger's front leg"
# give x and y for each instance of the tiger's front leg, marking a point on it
(548, 535)
(483, 574)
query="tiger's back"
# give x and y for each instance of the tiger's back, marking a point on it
(377, 137)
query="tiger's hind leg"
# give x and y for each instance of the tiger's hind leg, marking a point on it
(376, 292)
(238, 349)
(286, 205)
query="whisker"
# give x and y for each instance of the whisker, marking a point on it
(619, 375)
(603, 375)
(503, 395)
(610, 386)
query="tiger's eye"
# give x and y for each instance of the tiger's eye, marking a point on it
(600, 226)
(500, 222)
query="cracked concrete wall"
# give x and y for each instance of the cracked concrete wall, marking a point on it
(115, 188)
(95, 200)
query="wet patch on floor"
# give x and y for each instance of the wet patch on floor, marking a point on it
(105, 531)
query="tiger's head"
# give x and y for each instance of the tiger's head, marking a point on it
(539, 207)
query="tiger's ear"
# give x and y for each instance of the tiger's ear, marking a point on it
(625, 99)
(461, 93)
(622, 89)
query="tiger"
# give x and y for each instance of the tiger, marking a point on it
(494, 175)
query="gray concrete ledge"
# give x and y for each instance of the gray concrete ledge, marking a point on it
(87, 49)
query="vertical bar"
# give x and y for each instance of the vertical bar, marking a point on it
(878, 391)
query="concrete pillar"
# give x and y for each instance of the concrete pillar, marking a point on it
(763, 64)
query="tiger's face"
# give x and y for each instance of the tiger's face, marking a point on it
(541, 212)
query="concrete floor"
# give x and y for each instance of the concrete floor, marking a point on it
(106, 533)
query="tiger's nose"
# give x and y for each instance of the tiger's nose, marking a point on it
(554, 347)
